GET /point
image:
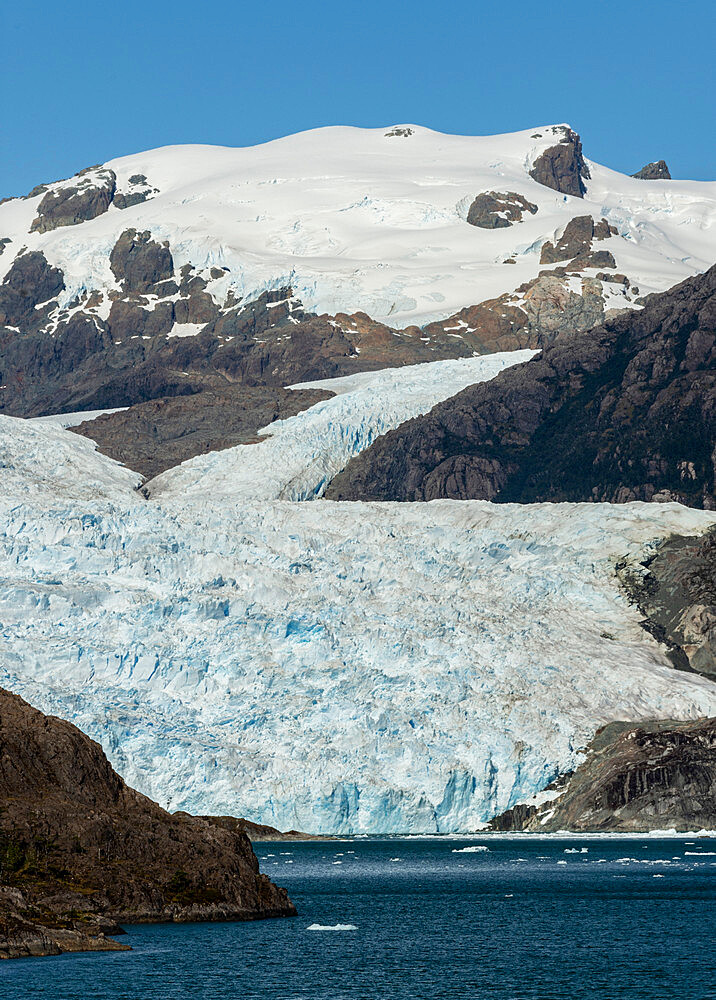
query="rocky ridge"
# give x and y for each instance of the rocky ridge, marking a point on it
(625, 412)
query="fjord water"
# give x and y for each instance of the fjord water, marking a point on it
(537, 919)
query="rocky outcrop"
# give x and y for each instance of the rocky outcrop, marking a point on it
(81, 852)
(498, 209)
(31, 931)
(29, 283)
(636, 777)
(139, 192)
(657, 171)
(675, 589)
(260, 831)
(624, 412)
(71, 204)
(562, 167)
(540, 312)
(161, 433)
(575, 244)
(163, 335)
(140, 263)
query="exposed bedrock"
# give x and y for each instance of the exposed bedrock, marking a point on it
(161, 433)
(80, 851)
(163, 333)
(30, 282)
(71, 204)
(657, 171)
(498, 209)
(636, 777)
(675, 589)
(139, 263)
(562, 167)
(575, 244)
(625, 412)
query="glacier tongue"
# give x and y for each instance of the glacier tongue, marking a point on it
(332, 667)
(302, 454)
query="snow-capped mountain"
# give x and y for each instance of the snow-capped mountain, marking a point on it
(240, 645)
(360, 219)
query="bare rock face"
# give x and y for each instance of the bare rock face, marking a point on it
(575, 244)
(562, 167)
(161, 433)
(624, 412)
(636, 777)
(676, 591)
(140, 263)
(81, 852)
(29, 283)
(657, 171)
(139, 192)
(72, 204)
(498, 210)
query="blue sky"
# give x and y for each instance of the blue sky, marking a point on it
(85, 82)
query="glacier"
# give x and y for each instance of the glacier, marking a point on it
(336, 668)
(300, 455)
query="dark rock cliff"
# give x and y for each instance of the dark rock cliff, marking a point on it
(562, 167)
(675, 589)
(637, 776)
(624, 412)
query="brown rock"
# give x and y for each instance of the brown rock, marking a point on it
(138, 262)
(161, 433)
(84, 851)
(562, 167)
(497, 209)
(69, 206)
(624, 412)
(638, 776)
(657, 171)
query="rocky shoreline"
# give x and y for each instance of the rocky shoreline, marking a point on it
(81, 852)
(636, 778)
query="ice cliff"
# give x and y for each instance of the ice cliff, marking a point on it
(331, 667)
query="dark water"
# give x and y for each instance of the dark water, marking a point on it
(525, 921)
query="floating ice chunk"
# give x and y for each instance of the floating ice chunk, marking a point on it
(332, 927)
(477, 849)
